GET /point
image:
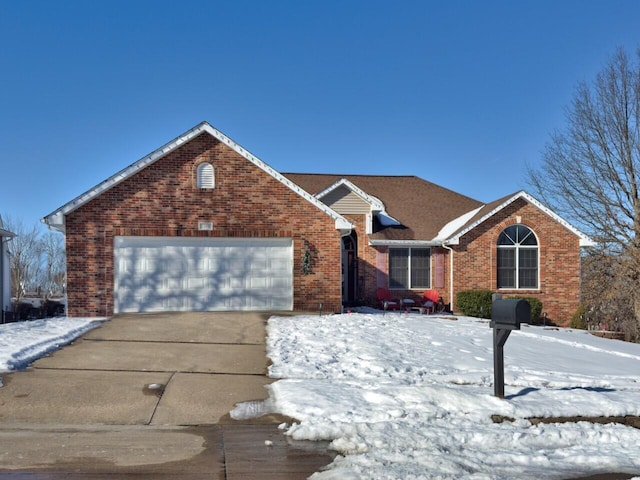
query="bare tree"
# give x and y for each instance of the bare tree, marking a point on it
(53, 264)
(590, 171)
(605, 294)
(25, 257)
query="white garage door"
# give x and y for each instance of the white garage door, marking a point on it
(156, 274)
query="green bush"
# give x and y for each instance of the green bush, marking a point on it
(536, 307)
(477, 303)
(579, 319)
(474, 303)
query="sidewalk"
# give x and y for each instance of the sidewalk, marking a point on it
(148, 396)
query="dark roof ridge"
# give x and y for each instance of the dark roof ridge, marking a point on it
(380, 176)
(345, 175)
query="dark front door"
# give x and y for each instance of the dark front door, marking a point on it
(349, 269)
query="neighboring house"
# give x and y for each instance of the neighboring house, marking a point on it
(202, 224)
(5, 275)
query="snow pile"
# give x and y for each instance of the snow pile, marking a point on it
(411, 397)
(24, 342)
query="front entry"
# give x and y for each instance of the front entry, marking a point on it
(349, 269)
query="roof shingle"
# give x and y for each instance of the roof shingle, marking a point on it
(422, 207)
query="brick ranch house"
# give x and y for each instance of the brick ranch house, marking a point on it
(202, 224)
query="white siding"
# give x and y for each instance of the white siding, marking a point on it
(344, 201)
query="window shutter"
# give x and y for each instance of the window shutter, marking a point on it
(381, 269)
(439, 260)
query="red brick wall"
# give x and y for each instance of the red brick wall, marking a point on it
(162, 199)
(370, 258)
(559, 270)
(475, 263)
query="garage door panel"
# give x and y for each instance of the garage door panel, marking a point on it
(258, 283)
(259, 265)
(183, 273)
(283, 284)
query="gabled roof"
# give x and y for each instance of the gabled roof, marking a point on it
(452, 237)
(422, 208)
(56, 219)
(376, 204)
(429, 214)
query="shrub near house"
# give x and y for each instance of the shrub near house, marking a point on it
(477, 303)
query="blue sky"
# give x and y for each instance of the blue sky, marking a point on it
(463, 94)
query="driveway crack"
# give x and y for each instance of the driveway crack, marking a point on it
(158, 390)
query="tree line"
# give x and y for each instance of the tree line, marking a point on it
(37, 261)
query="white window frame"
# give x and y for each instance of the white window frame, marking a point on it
(517, 248)
(410, 285)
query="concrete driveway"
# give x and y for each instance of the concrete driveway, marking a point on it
(150, 394)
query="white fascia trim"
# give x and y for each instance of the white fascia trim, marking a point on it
(585, 241)
(341, 223)
(404, 243)
(56, 220)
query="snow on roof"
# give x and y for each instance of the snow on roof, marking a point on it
(585, 241)
(456, 224)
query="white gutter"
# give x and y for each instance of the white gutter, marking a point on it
(400, 243)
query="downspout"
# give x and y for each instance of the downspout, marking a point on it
(450, 274)
(2, 279)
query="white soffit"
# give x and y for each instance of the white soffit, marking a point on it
(585, 241)
(56, 219)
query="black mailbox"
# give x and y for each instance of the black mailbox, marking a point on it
(508, 314)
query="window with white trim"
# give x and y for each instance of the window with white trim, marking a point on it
(205, 176)
(517, 258)
(409, 268)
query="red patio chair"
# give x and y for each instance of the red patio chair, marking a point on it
(386, 301)
(430, 300)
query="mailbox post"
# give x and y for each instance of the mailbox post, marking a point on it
(506, 315)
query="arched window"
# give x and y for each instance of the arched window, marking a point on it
(517, 258)
(205, 176)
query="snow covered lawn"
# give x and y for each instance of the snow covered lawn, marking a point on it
(411, 397)
(24, 342)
